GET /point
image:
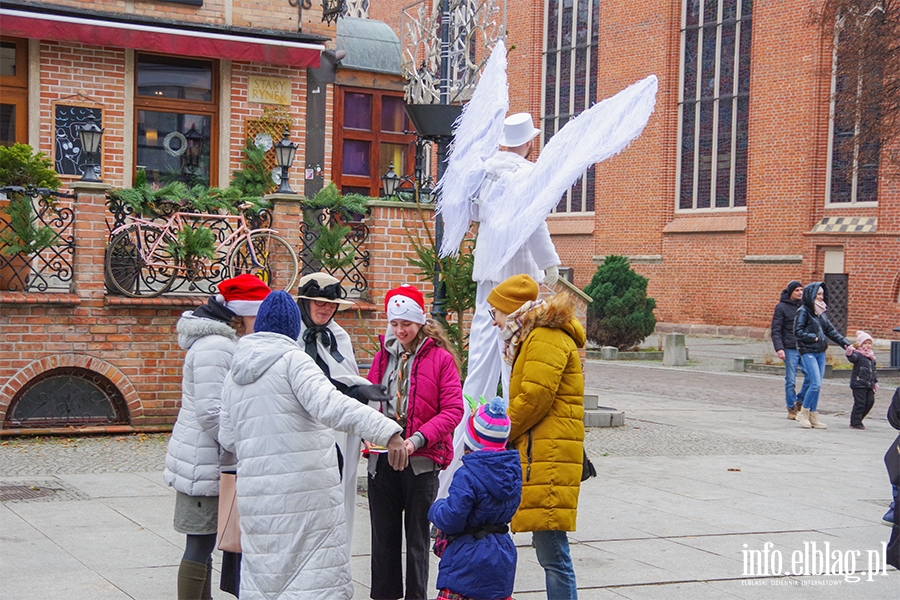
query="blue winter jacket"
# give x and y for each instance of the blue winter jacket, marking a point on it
(486, 490)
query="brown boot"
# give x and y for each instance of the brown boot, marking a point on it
(792, 413)
(803, 418)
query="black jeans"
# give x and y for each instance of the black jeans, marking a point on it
(399, 500)
(863, 401)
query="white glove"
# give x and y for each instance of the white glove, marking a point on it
(551, 275)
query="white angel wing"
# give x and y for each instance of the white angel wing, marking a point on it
(477, 138)
(600, 132)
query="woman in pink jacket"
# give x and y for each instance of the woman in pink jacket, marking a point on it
(421, 371)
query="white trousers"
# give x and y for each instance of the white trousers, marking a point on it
(350, 446)
(486, 370)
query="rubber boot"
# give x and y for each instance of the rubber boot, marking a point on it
(192, 580)
(206, 594)
(803, 418)
(815, 422)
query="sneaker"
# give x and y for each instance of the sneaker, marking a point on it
(860, 426)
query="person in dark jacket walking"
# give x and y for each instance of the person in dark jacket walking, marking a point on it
(892, 462)
(786, 346)
(811, 327)
(863, 379)
(480, 558)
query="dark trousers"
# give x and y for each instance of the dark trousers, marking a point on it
(398, 501)
(863, 401)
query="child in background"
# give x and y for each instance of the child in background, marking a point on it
(863, 380)
(479, 560)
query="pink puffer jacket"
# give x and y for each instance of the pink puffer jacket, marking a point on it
(435, 398)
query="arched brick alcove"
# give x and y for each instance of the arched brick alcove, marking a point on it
(79, 364)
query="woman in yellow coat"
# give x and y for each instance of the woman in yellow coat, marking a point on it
(546, 410)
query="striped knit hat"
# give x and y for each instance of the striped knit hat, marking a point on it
(488, 428)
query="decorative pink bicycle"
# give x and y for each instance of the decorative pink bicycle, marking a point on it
(142, 261)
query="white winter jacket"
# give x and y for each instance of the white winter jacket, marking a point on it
(192, 460)
(280, 408)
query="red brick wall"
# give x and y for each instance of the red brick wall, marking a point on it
(67, 69)
(244, 13)
(133, 342)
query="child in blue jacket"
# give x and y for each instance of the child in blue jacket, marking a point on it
(479, 561)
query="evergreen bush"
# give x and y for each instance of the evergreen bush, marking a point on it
(621, 314)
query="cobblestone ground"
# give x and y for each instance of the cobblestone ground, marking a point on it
(96, 454)
(31, 457)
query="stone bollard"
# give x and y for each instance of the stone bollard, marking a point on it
(674, 352)
(609, 353)
(740, 364)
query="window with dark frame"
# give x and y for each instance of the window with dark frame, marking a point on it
(371, 134)
(570, 81)
(176, 117)
(714, 105)
(853, 166)
(13, 91)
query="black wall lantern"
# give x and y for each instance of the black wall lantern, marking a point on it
(194, 148)
(285, 150)
(90, 135)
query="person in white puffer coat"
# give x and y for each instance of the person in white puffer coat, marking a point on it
(209, 334)
(279, 410)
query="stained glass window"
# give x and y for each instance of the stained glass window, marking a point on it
(570, 80)
(714, 104)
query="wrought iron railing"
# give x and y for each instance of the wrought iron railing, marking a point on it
(349, 269)
(37, 247)
(205, 282)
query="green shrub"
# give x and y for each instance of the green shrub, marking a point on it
(621, 314)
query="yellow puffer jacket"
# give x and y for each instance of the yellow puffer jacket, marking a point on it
(546, 409)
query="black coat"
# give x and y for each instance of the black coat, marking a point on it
(892, 462)
(863, 375)
(783, 323)
(810, 329)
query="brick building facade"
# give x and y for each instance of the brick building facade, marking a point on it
(718, 221)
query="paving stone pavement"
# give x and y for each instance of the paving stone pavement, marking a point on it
(706, 470)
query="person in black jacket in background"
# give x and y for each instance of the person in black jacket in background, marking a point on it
(786, 346)
(811, 327)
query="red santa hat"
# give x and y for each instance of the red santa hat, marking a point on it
(243, 294)
(405, 303)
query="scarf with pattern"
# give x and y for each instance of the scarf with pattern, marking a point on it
(513, 332)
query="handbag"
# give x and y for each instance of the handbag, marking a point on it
(587, 468)
(229, 525)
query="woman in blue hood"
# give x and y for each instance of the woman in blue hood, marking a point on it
(811, 327)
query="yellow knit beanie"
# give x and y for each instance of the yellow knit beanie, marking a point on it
(510, 295)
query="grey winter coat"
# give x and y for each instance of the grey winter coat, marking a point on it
(279, 413)
(192, 459)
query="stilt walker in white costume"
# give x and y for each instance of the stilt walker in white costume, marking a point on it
(510, 198)
(326, 342)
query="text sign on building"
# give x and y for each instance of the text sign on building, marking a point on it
(270, 90)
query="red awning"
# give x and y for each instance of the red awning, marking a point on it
(165, 40)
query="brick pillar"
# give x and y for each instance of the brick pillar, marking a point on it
(91, 236)
(287, 214)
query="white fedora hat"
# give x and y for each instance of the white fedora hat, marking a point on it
(518, 129)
